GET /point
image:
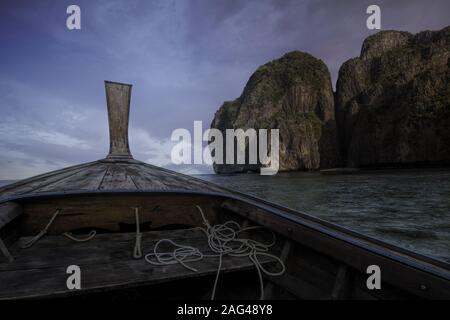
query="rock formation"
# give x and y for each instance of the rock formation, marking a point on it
(393, 102)
(293, 94)
(392, 105)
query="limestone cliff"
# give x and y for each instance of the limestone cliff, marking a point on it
(392, 105)
(393, 102)
(293, 94)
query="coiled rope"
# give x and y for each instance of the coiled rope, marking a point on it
(223, 239)
(68, 235)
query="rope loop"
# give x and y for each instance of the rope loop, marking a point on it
(68, 235)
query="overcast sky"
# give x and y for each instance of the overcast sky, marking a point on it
(184, 58)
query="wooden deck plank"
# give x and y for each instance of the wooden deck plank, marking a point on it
(116, 177)
(104, 248)
(152, 179)
(173, 180)
(32, 184)
(8, 212)
(105, 263)
(87, 179)
(145, 179)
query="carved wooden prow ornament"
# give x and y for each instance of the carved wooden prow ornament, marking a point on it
(118, 97)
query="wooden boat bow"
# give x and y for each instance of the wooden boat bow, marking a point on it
(323, 261)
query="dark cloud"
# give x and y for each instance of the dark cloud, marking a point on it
(183, 57)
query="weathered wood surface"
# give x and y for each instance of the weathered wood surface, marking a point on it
(118, 97)
(414, 276)
(106, 263)
(117, 177)
(5, 252)
(85, 180)
(104, 175)
(341, 284)
(31, 184)
(8, 212)
(109, 212)
(285, 253)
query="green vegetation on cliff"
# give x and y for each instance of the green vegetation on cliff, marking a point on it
(293, 94)
(392, 105)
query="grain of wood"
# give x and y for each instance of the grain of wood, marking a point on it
(108, 212)
(8, 212)
(117, 178)
(110, 175)
(106, 263)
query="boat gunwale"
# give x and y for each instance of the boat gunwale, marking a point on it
(22, 182)
(373, 245)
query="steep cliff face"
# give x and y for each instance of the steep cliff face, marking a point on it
(392, 105)
(293, 94)
(393, 102)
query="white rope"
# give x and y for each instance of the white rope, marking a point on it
(137, 252)
(223, 239)
(68, 235)
(88, 237)
(42, 233)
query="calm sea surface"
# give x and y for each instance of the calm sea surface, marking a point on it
(410, 209)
